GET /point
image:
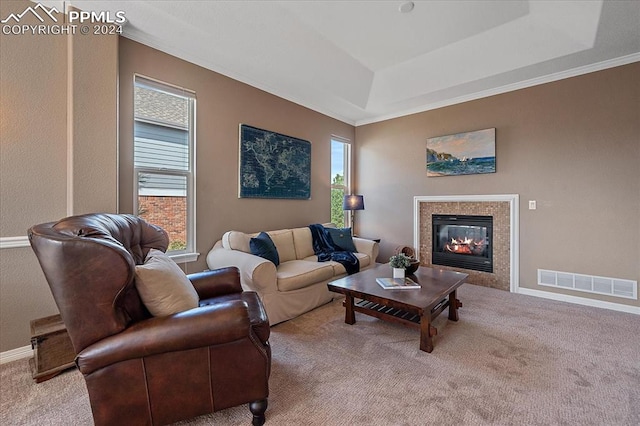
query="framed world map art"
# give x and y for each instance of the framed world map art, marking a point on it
(273, 165)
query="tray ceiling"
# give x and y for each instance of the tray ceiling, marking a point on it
(365, 61)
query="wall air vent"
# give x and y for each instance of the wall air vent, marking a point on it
(589, 284)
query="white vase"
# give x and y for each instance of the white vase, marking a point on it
(398, 272)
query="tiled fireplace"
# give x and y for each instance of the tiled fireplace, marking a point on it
(502, 209)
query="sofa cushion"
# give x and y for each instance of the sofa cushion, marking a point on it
(302, 241)
(341, 238)
(163, 286)
(296, 274)
(262, 246)
(338, 268)
(283, 239)
(236, 240)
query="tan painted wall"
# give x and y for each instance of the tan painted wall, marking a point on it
(222, 104)
(33, 111)
(95, 123)
(572, 145)
(55, 93)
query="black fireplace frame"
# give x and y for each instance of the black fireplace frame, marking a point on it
(464, 261)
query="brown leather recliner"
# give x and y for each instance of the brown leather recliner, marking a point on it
(144, 370)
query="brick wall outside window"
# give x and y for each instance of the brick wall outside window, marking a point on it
(169, 213)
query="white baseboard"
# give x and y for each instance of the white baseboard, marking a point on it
(580, 300)
(16, 354)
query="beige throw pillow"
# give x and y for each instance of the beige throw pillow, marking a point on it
(163, 286)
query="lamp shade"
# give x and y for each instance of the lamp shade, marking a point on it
(353, 202)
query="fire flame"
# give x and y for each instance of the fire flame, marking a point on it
(465, 246)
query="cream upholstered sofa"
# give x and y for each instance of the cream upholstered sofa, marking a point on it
(299, 283)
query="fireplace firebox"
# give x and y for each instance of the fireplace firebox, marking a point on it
(463, 241)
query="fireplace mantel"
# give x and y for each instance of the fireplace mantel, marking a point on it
(513, 203)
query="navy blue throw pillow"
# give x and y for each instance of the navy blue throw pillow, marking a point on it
(263, 246)
(342, 239)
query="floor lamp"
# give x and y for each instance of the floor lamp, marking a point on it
(352, 203)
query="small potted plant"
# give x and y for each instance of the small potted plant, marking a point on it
(399, 262)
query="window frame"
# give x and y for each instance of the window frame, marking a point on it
(189, 254)
(346, 161)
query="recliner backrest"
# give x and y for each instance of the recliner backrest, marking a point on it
(89, 262)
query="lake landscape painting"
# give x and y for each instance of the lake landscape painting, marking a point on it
(466, 153)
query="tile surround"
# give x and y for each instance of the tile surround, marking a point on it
(501, 212)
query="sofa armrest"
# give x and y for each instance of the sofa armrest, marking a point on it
(217, 282)
(368, 247)
(256, 274)
(199, 327)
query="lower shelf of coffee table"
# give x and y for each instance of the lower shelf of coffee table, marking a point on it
(388, 313)
(384, 312)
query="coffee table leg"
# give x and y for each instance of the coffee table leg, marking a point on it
(349, 314)
(426, 331)
(453, 306)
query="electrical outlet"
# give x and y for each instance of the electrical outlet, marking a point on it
(532, 204)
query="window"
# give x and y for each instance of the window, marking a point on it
(164, 152)
(340, 179)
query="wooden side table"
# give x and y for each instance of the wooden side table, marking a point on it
(377, 240)
(52, 348)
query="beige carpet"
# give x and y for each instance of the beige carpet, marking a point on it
(510, 360)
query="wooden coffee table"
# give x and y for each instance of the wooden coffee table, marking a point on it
(415, 308)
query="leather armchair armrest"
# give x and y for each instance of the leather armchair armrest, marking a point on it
(217, 282)
(199, 327)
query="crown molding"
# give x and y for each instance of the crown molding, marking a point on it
(574, 72)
